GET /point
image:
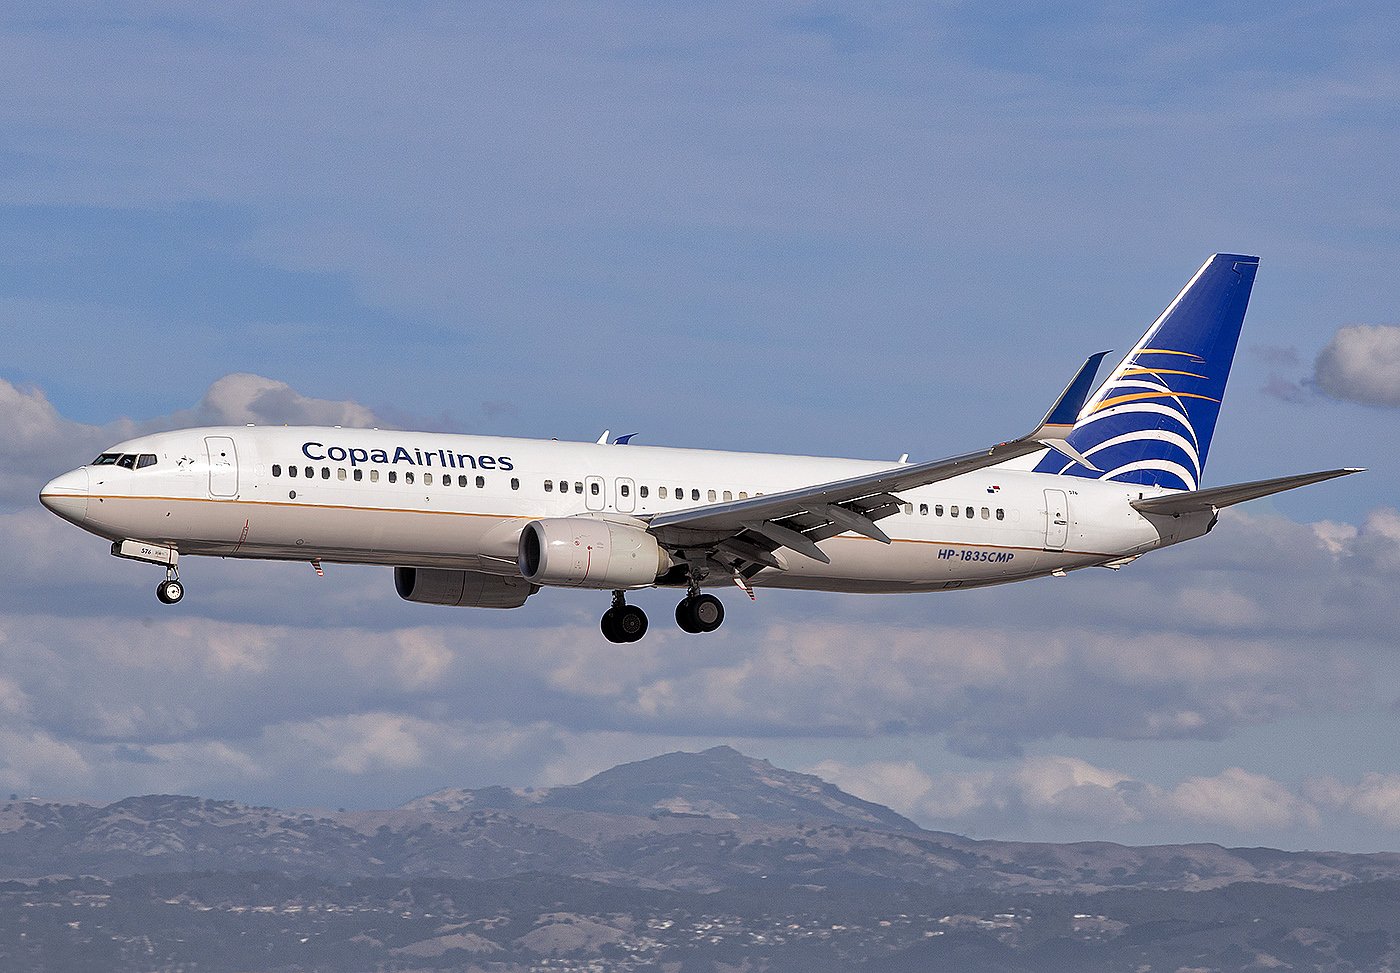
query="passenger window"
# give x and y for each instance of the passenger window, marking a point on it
(548, 486)
(359, 475)
(276, 469)
(624, 490)
(986, 514)
(408, 477)
(393, 476)
(593, 489)
(923, 510)
(694, 493)
(953, 511)
(447, 479)
(743, 494)
(340, 473)
(710, 496)
(462, 480)
(968, 511)
(1001, 514)
(908, 508)
(374, 476)
(938, 510)
(291, 470)
(642, 492)
(728, 495)
(427, 479)
(680, 493)
(578, 486)
(661, 492)
(128, 461)
(481, 482)
(310, 472)
(145, 460)
(514, 483)
(325, 472)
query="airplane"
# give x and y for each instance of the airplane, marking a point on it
(488, 522)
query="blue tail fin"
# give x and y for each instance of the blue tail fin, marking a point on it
(1152, 419)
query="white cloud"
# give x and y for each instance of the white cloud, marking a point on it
(900, 785)
(33, 760)
(366, 741)
(1362, 364)
(241, 398)
(1240, 800)
(1070, 791)
(1376, 797)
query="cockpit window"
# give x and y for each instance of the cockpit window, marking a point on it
(145, 460)
(106, 459)
(127, 461)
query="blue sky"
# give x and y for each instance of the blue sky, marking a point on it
(860, 230)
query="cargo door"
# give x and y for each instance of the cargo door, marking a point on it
(1056, 520)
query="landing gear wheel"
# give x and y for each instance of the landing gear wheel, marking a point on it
(631, 623)
(684, 618)
(170, 591)
(624, 623)
(609, 626)
(700, 613)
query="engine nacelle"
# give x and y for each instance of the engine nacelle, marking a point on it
(464, 589)
(583, 552)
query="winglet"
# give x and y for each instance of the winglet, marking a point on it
(1065, 412)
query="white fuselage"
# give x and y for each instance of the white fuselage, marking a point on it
(432, 500)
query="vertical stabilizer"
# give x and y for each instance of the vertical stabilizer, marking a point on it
(1152, 420)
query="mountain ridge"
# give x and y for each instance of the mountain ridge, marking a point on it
(712, 821)
(719, 782)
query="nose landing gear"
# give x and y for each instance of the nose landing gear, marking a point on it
(623, 622)
(170, 591)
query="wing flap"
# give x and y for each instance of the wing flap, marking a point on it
(1226, 496)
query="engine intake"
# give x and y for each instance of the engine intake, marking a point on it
(582, 552)
(464, 589)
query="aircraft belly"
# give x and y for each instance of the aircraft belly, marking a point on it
(862, 565)
(305, 531)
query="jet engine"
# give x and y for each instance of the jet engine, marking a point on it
(465, 589)
(583, 552)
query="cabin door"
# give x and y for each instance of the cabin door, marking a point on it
(223, 466)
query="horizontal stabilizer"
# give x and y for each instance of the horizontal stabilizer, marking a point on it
(1225, 496)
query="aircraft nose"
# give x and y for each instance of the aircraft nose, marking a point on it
(67, 495)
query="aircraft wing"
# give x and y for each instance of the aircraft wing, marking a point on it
(1226, 496)
(751, 530)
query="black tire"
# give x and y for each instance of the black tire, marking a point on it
(708, 612)
(631, 623)
(685, 618)
(609, 626)
(169, 592)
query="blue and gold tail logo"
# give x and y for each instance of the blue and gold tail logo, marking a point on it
(1152, 420)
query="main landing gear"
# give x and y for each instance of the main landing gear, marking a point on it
(623, 622)
(695, 614)
(699, 613)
